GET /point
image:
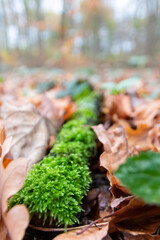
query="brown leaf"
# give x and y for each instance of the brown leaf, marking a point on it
(90, 234)
(48, 109)
(117, 188)
(119, 106)
(12, 179)
(3, 230)
(2, 134)
(13, 222)
(154, 135)
(136, 217)
(115, 145)
(136, 236)
(147, 113)
(17, 220)
(30, 131)
(119, 202)
(139, 139)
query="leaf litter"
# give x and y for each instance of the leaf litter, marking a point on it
(132, 126)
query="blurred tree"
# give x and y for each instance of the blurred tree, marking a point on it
(98, 28)
(149, 12)
(4, 23)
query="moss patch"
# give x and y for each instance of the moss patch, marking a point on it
(55, 187)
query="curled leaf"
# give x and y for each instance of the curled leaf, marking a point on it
(115, 145)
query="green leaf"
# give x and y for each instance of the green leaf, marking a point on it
(75, 89)
(44, 86)
(129, 82)
(1, 79)
(138, 61)
(120, 87)
(108, 85)
(141, 174)
(85, 71)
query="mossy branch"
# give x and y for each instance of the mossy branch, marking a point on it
(55, 187)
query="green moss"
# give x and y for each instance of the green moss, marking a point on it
(55, 187)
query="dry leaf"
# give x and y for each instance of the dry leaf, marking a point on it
(48, 109)
(138, 139)
(147, 113)
(119, 202)
(30, 131)
(115, 145)
(13, 222)
(154, 135)
(119, 105)
(90, 234)
(136, 217)
(128, 236)
(17, 220)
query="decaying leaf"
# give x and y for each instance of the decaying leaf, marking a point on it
(29, 129)
(13, 222)
(115, 146)
(137, 217)
(90, 234)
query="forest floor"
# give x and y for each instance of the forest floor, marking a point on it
(124, 197)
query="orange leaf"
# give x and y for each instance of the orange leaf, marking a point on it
(6, 161)
(71, 108)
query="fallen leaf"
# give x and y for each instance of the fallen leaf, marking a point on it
(147, 113)
(115, 146)
(70, 109)
(136, 217)
(139, 139)
(90, 234)
(119, 105)
(119, 202)
(17, 220)
(13, 222)
(48, 109)
(29, 129)
(154, 135)
(136, 236)
(141, 174)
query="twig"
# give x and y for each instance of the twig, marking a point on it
(94, 223)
